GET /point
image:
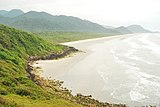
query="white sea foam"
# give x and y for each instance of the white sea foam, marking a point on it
(147, 86)
(131, 55)
(144, 89)
(116, 58)
(146, 83)
(136, 48)
(150, 45)
(136, 96)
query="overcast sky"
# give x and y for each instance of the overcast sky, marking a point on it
(105, 12)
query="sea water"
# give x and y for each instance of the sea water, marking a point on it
(125, 70)
(141, 60)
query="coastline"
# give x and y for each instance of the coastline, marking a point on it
(55, 87)
(64, 64)
(53, 69)
(97, 70)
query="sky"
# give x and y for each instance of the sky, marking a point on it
(105, 12)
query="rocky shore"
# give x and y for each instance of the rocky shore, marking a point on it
(55, 86)
(52, 56)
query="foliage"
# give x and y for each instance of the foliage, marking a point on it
(15, 47)
(13, 100)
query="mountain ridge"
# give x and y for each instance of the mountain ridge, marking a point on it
(12, 13)
(41, 21)
(132, 29)
(123, 30)
(34, 21)
(2, 12)
(137, 29)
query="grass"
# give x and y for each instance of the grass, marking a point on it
(59, 37)
(13, 100)
(15, 88)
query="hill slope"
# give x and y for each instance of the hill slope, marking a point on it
(137, 29)
(123, 30)
(2, 12)
(13, 13)
(16, 90)
(41, 21)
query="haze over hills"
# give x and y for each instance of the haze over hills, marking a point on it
(137, 29)
(123, 30)
(109, 27)
(41, 22)
(12, 13)
(130, 29)
(2, 12)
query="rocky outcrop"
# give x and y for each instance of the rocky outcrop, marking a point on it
(52, 56)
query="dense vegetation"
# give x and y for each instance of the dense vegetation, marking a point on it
(15, 88)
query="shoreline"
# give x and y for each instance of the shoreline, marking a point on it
(54, 68)
(64, 64)
(30, 61)
(73, 68)
(54, 86)
(99, 61)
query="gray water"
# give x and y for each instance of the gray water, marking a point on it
(125, 70)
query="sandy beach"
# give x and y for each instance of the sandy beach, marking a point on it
(81, 65)
(114, 69)
(54, 68)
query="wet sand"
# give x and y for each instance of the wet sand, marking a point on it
(111, 69)
(82, 66)
(54, 68)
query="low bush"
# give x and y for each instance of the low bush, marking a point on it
(8, 83)
(3, 91)
(23, 92)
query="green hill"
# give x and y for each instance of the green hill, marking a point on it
(41, 22)
(16, 90)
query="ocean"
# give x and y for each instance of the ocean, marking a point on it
(125, 69)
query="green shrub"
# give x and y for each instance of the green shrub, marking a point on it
(8, 83)
(22, 80)
(3, 74)
(3, 92)
(23, 92)
(6, 103)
